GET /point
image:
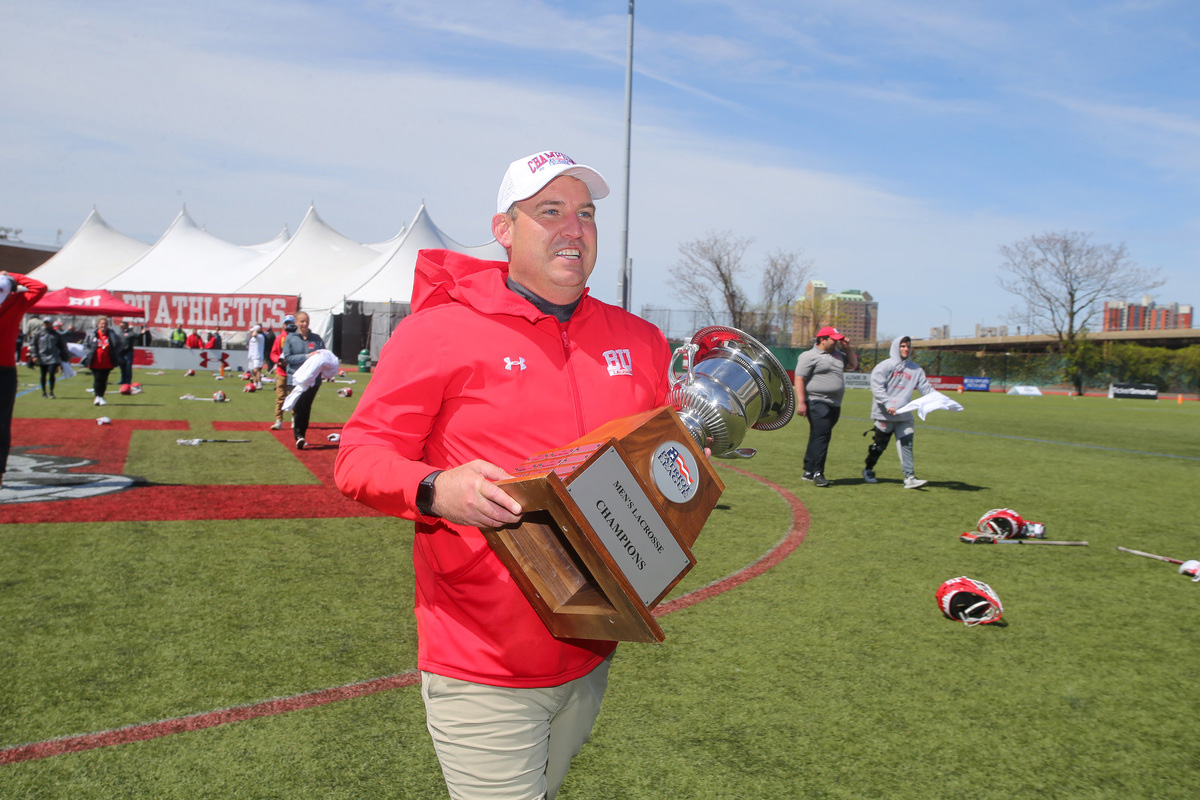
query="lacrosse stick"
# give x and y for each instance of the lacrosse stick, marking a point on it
(979, 538)
(194, 442)
(1189, 568)
(1150, 555)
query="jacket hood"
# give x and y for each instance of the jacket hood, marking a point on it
(894, 352)
(445, 276)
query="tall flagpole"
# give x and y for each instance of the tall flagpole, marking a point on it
(625, 271)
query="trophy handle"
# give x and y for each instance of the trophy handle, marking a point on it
(688, 351)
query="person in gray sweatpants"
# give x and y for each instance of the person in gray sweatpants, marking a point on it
(892, 383)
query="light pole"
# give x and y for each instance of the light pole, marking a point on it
(624, 276)
(950, 324)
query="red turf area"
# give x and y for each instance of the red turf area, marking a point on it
(108, 447)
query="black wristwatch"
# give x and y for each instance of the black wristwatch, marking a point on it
(425, 494)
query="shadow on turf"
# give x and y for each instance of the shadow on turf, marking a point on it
(954, 486)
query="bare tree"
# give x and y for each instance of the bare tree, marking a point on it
(1063, 279)
(709, 276)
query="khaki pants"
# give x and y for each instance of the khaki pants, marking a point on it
(281, 393)
(513, 744)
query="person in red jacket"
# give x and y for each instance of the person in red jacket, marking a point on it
(496, 362)
(17, 294)
(193, 341)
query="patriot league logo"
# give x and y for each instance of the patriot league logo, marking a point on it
(676, 473)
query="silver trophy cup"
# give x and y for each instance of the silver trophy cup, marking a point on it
(731, 383)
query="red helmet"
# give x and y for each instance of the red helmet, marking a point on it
(347, 392)
(190, 373)
(969, 601)
(249, 387)
(1002, 523)
(219, 396)
(126, 388)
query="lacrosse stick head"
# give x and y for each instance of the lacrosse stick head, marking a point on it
(969, 601)
(1002, 523)
(1191, 568)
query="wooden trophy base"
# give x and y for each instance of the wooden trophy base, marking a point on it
(608, 526)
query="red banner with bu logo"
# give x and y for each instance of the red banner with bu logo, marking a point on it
(212, 311)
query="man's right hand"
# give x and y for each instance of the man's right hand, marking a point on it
(466, 495)
(801, 407)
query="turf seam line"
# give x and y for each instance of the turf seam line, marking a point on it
(140, 732)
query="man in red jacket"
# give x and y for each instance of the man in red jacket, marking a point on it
(498, 361)
(17, 294)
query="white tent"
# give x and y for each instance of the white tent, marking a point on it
(393, 276)
(93, 255)
(319, 264)
(189, 259)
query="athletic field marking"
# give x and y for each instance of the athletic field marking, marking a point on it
(1051, 441)
(211, 719)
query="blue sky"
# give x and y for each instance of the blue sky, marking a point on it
(898, 144)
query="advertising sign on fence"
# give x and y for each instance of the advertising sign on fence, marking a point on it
(977, 384)
(1133, 391)
(945, 383)
(858, 380)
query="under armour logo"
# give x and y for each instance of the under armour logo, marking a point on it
(510, 364)
(204, 359)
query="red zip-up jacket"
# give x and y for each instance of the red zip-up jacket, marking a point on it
(15, 306)
(478, 372)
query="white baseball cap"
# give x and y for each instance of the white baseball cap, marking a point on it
(7, 284)
(527, 176)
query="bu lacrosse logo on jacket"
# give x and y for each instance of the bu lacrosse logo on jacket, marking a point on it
(620, 362)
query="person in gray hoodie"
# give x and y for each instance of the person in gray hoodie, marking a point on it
(892, 383)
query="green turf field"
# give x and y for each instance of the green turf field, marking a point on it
(832, 675)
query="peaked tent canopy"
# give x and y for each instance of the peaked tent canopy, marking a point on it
(190, 259)
(89, 258)
(392, 273)
(319, 264)
(85, 303)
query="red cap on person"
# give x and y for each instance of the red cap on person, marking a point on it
(832, 333)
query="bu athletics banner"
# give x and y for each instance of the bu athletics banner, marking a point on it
(207, 311)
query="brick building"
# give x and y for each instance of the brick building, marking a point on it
(853, 312)
(1120, 315)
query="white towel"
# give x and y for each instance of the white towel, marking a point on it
(321, 364)
(934, 401)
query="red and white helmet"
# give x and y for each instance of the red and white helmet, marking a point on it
(1001, 523)
(190, 373)
(219, 396)
(347, 392)
(1004, 523)
(968, 601)
(249, 387)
